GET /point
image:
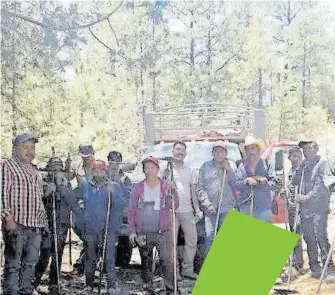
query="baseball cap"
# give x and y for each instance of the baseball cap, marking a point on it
(85, 150)
(220, 143)
(21, 138)
(54, 161)
(151, 159)
(98, 165)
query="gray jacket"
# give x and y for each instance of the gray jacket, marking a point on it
(209, 186)
(313, 186)
(329, 177)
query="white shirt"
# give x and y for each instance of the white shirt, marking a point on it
(184, 177)
(152, 194)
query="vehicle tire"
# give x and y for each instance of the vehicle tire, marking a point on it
(123, 252)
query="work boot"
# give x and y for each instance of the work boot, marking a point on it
(316, 274)
(330, 279)
(114, 290)
(300, 270)
(88, 290)
(53, 289)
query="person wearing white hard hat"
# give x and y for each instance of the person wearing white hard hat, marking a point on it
(256, 179)
(209, 190)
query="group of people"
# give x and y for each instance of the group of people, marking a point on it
(36, 212)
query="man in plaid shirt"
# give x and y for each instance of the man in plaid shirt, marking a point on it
(23, 216)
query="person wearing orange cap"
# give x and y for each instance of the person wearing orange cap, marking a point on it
(256, 179)
(96, 192)
(149, 222)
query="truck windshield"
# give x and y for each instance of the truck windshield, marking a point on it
(197, 153)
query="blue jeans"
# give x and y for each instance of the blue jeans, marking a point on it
(94, 242)
(22, 248)
(210, 221)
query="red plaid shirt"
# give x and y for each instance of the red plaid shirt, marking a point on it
(22, 193)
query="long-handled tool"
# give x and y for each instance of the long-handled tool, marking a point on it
(295, 226)
(223, 181)
(251, 209)
(323, 274)
(288, 290)
(70, 239)
(54, 219)
(175, 285)
(104, 246)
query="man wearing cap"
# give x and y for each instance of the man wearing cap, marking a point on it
(96, 194)
(65, 202)
(23, 216)
(209, 189)
(314, 200)
(256, 180)
(295, 156)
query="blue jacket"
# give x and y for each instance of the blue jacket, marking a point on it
(96, 202)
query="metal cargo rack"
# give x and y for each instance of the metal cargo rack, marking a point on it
(192, 121)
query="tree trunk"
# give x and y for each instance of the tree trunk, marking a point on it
(260, 88)
(303, 92)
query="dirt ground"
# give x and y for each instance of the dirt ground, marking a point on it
(130, 281)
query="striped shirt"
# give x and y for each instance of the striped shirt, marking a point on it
(22, 193)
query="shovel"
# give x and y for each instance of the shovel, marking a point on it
(288, 290)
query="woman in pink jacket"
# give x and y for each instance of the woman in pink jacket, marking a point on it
(150, 222)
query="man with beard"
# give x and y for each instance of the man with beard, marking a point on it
(256, 180)
(65, 202)
(96, 194)
(23, 216)
(188, 211)
(314, 206)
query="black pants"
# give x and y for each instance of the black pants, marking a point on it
(298, 261)
(47, 251)
(315, 234)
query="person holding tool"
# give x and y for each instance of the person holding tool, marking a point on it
(295, 156)
(23, 216)
(256, 181)
(188, 211)
(80, 171)
(215, 187)
(314, 207)
(149, 221)
(96, 194)
(58, 187)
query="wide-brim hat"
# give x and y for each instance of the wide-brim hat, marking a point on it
(221, 144)
(250, 140)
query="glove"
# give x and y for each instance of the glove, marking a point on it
(81, 204)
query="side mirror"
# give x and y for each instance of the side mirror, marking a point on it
(279, 161)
